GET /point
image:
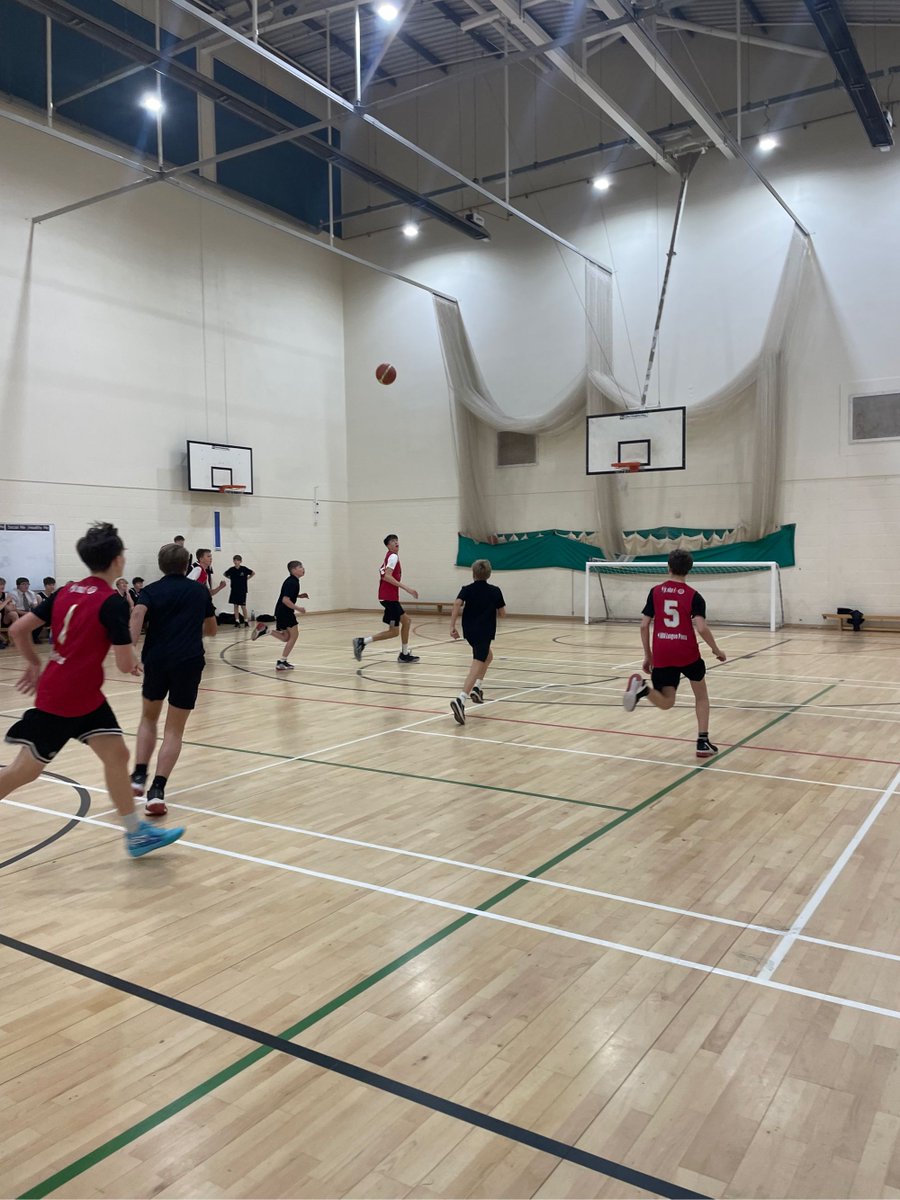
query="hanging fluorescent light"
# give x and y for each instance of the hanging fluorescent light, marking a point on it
(388, 12)
(768, 142)
(601, 183)
(151, 102)
(410, 230)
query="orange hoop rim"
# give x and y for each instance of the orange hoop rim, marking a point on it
(626, 466)
(231, 487)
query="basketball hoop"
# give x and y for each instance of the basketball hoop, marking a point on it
(231, 487)
(626, 466)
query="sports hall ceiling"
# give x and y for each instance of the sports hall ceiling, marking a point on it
(539, 92)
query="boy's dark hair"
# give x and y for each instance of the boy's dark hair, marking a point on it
(295, 562)
(49, 579)
(100, 546)
(680, 562)
(481, 569)
(391, 537)
(22, 579)
(237, 558)
(173, 560)
(200, 553)
(179, 537)
(138, 579)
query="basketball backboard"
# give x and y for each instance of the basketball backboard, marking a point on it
(212, 467)
(653, 437)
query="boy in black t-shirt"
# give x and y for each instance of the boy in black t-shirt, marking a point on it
(240, 576)
(481, 604)
(179, 614)
(286, 609)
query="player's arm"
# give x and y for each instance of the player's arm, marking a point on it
(20, 631)
(389, 578)
(136, 622)
(454, 618)
(704, 631)
(215, 591)
(126, 659)
(646, 622)
(115, 619)
(210, 624)
(289, 603)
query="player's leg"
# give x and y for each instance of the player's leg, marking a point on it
(481, 659)
(140, 838)
(146, 743)
(24, 768)
(660, 691)
(289, 643)
(696, 676)
(405, 655)
(184, 684)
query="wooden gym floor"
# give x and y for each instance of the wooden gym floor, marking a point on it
(547, 954)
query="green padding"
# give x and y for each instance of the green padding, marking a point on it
(548, 548)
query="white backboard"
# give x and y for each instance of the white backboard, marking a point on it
(654, 437)
(211, 465)
(27, 550)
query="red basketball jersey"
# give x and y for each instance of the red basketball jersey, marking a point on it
(674, 640)
(70, 684)
(389, 591)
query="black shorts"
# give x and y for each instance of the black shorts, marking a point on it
(237, 596)
(45, 733)
(663, 677)
(180, 682)
(393, 611)
(481, 648)
(286, 618)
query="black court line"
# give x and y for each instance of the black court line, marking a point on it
(84, 806)
(383, 1083)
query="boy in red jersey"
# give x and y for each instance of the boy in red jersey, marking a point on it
(677, 614)
(86, 619)
(396, 619)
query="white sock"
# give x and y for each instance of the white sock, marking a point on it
(478, 683)
(405, 649)
(131, 821)
(463, 697)
(367, 640)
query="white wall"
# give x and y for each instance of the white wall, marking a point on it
(521, 298)
(149, 319)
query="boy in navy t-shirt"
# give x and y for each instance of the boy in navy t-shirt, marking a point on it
(481, 604)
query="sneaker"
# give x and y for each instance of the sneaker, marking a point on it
(155, 804)
(459, 710)
(476, 695)
(407, 658)
(284, 665)
(358, 646)
(258, 632)
(138, 782)
(636, 690)
(146, 839)
(705, 748)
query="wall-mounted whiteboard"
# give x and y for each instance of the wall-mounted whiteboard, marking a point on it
(211, 466)
(27, 550)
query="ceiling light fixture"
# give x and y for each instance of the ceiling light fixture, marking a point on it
(410, 230)
(768, 142)
(602, 183)
(151, 102)
(388, 12)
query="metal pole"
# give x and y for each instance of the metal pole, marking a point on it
(506, 113)
(330, 129)
(357, 37)
(587, 593)
(679, 211)
(255, 19)
(737, 4)
(159, 101)
(48, 44)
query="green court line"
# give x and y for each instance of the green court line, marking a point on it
(127, 1136)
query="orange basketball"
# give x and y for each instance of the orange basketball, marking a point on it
(385, 373)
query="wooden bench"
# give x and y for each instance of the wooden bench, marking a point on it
(440, 605)
(889, 624)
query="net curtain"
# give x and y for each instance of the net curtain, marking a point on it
(477, 417)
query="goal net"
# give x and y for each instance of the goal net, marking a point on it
(746, 593)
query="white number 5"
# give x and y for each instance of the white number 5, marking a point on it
(672, 617)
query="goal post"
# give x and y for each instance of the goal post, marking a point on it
(737, 593)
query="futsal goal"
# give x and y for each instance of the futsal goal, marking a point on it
(745, 593)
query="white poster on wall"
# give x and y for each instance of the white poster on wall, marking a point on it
(27, 550)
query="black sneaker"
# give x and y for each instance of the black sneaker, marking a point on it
(358, 646)
(155, 804)
(258, 632)
(705, 748)
(459, 710)
(407, 658)
(476, 695)
(284, 665)
(138, 782)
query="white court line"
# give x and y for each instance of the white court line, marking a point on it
(657, 762)
(487, 915)
(772, 963)
(340, 746)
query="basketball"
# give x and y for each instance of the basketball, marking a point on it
(385, 373)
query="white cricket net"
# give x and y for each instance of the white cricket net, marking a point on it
(735, 593)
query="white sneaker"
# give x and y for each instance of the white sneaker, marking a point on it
(635, 690)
